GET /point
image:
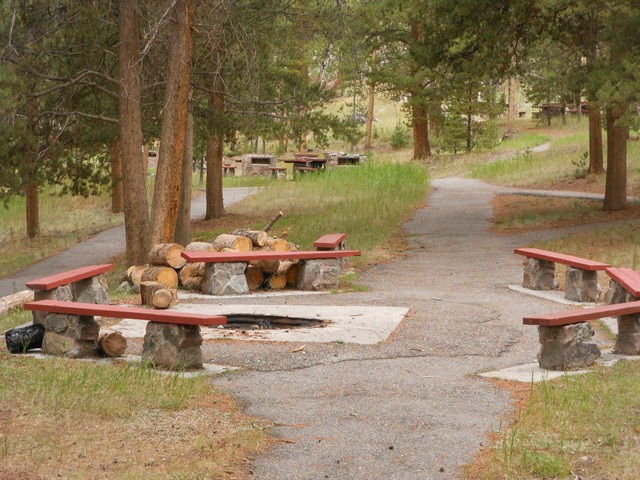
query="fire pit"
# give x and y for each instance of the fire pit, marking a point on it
(257, 165)
(248, 321)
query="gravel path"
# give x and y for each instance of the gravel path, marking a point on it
(410, 407)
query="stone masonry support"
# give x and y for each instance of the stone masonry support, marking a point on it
(539, 274)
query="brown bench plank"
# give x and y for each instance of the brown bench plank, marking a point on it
(570, 260)
(64, 278)
(222, 257)
(582, 315)
(627, 278)
(134, 313)
(329, 240)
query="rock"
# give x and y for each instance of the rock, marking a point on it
(628, 339)
(62, 293)
(172, 346)
(319, 274)
(569, 347)
(539, 275)
(225, 279)
(70, 335)
(581, 285)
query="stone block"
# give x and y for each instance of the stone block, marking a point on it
(172, 346)
(628, 339)
(581, 285)
(62, 345)
(569, 347)
(62, 293)
(319, 274)
(91, 290)
(539, 275)
(225, 279)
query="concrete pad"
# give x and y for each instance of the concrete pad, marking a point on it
(348, 324)
(531, 372)
(552, 295)
(280, 293)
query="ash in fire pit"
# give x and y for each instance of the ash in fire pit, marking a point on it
(246, 321)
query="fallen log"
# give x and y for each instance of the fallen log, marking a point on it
(134, 273)
(15, 300)
(191, 275)
(277, 281)
(167, 255)
(156, 294)
(112, 344)
(27, 337)
(200, 247)
(292, 275)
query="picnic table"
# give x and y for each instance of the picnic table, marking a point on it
(303, 163)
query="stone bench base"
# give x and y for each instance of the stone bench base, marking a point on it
(580, 285)
(172, 346)
(229, 278)
(569, 347)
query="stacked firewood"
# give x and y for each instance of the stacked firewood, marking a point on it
(167, 268)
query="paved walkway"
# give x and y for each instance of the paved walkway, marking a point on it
(100, 248)
(411, 407)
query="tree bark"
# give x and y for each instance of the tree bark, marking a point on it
(112, 344)
(215, 150)
(32, 210)
(511, 107)
(117, 192)
(596, 160)
(370, 108)
(615, 195)
(166, 194)
(136, 208)
(421, 147)
(184, 234)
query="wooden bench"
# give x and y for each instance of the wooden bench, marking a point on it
(71, 276)
(71, 330)
(624, 285)
(278, 172)
(564, 336)
(229, 170)
(224, 271)
(331, 241)
(581, 279)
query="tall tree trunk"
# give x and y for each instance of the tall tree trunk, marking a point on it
(469, 131)
(215, 150)
(370, 109)
(184, 235)
(32, 210)
(421, 147)
(166, 194)
(136, 208)
(596, 161)
(117, 192)
(615, 195)
(511, 107)
(578, 108)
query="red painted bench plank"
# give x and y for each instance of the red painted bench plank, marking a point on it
(64, 278)
(330, 240)
(582, 315)
(549, 256)
(222, 257)
(134, 313)
(628, 278)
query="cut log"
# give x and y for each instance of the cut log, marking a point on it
(277, 281)
(236, 242)
(280, 245)
(191, 275)
(272, 222)
(147, 289)
(15, 300)
(167, 255)
(200, 247)
(255, 277)
(292, 275)
(166, 275)
(162, 298)
(134, 273)
(27, 337)
(112, 344)
(258, 237)
(267, 266)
